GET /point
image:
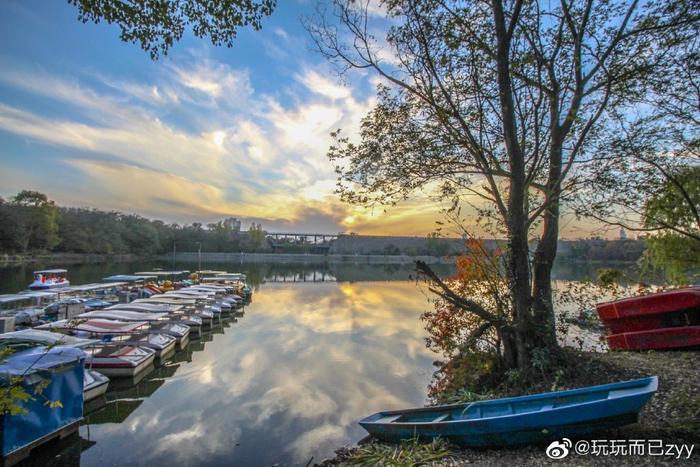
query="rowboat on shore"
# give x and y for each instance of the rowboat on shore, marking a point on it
(518, 420)
(664, 320)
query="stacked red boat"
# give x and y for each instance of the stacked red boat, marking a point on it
(664, 320)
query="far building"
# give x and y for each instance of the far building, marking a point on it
(233, 223)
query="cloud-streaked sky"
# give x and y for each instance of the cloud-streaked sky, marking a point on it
(202, 134)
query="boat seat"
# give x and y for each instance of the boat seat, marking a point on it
(388, 419)
(441, 418)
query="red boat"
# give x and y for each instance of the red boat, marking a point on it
(664, 320)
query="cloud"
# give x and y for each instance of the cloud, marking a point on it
(319, 84)
(194, 142)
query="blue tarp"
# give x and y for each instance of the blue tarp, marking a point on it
(40, 358)
(64, 368)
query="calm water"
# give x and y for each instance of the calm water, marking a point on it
(282, 384)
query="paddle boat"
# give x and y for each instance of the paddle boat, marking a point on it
(117, 332)
(518, 420)
(26, 308)
(664, 320)
(162, 322)
(206, 316)
(224, 295)
(110, 360)
(176, 312)
(119, 360)
(94, 384)
(49, 279)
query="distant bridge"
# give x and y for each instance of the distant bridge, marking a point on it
(313, 242)
(315, 276)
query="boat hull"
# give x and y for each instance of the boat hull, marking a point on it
(659, 321)
(127, 364)
(123, 371)
(656, 339)
(652, 304)
(49, 286)
(520, 420)
(485, 437)
(96, 388)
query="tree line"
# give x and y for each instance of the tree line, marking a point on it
(31, 222)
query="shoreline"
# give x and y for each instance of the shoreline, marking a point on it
(672, 415)
(242, 257)
(301, 258)
(64, 258)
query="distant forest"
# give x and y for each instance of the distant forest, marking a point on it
(30, 222)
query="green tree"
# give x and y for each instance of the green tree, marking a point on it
(650, 178)
(673, 214)
(256, 236)
(495, 101)
(10, 233)
(37, 221)
(157, 24)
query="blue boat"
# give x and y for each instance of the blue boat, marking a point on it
(519, 420)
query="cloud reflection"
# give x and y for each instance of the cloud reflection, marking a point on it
(287, 382)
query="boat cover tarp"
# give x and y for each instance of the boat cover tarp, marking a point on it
(64, 368)
(43, 337)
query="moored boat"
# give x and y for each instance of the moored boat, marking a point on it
(118, 332)
(110, 360)
(163, 322)
(664, 320)
(119, 360)
(49, 279)
(177, 317)
(94, 384)
(519, 420)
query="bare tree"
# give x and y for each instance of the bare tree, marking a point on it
(495, 100)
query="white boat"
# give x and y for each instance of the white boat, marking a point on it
(49, 279)
(118, 332)
(25, 308)
(47, 338)
(199, 298)
(94, 384)
(148, 307)
(205, 315)
(165, 322)
(178, 316)
(119, 360)
(124, 315)
(165, 300)
(110, 360)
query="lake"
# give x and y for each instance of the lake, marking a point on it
(316, 350)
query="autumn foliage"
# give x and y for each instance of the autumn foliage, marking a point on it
(480, 277)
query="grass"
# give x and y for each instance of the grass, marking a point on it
(409, 453)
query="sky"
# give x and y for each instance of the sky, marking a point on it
(200, 135)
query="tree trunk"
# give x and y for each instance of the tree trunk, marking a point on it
(542, 306)
(519, 268)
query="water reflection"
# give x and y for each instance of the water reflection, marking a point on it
(284, 383)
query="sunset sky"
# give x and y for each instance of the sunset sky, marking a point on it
(202, 134)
